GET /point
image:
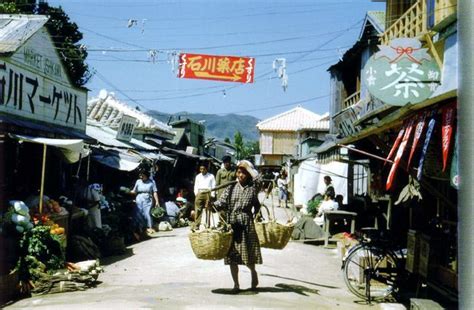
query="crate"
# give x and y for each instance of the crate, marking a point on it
(427, 259)
(423, 304)
(61, 220)
(447, 277)
(413, 251)
(8, 286)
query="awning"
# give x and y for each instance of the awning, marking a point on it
(72, 149)
(183, 153)
(68, 132)
(75, 145)
(116, 159)
(152, 155)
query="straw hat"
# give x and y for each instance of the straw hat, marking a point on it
(248, 167)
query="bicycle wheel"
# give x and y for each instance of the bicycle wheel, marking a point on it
(370, 273)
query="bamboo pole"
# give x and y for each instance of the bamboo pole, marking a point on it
(43, 168)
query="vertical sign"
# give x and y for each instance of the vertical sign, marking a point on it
(126, 127)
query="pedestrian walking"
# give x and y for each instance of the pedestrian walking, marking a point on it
(241, 205)
(203, 183)
(147, 195)
(282, 184)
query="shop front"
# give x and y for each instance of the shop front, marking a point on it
(412, 189)
(42, 135)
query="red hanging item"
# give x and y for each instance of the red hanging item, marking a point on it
(447, 131)
(395, 145)
(418, 131)
(401, 149)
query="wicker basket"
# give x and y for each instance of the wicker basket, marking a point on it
(273, 235)
(210, 244)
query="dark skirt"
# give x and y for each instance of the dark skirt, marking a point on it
(245, 248)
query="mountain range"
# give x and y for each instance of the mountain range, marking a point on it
(217, 126)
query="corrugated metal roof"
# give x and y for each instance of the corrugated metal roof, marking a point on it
(15, 30)
(295, 119)
(106, 136)
(109, 112)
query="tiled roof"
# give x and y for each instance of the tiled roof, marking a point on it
(15, 30)
(295, 119)
(108, 110)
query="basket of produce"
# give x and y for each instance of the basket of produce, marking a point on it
(271, 234)
(211, 243)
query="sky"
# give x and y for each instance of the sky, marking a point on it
(309, 35)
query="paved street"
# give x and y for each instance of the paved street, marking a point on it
(163, 273)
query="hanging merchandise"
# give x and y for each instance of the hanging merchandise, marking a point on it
(395, 145)
(447, 131)
(279, 65)
(132, 22)
(401, 149)
(454, 164)
(173, 60)
(418, 131)
(431, 125)
(153, 54)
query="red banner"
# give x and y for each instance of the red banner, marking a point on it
(401, 149)
(218, 68)
(395, 144)
(418, 131)
(447, 131)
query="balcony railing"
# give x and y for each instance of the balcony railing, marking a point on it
(351, 100)
(410, 25)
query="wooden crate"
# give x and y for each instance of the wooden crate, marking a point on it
(447, 277)
(413, 251)
(427, 259)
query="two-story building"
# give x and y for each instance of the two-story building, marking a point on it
(282, 136)
(394, 111)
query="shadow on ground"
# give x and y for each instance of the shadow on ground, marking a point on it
(109, 260)
(301, 281)
(278, 288)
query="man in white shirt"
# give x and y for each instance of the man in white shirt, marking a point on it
(202, 184)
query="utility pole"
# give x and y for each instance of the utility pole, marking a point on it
(466, 135)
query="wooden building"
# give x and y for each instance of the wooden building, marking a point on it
(282, 135)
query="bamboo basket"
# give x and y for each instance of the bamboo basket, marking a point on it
(271, 234)
(210, 244)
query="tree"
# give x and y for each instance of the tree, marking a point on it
(8, 8)
(66, 36)
(239, 145)
(245, 150)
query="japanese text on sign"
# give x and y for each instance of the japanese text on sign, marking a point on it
(401, 73)
(222, 68)
(32, 96)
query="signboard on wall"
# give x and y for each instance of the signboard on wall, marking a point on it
(34, 85)
(401, 73)
(218, 68)
(126, 127)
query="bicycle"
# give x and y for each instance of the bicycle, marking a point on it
(372, 269)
